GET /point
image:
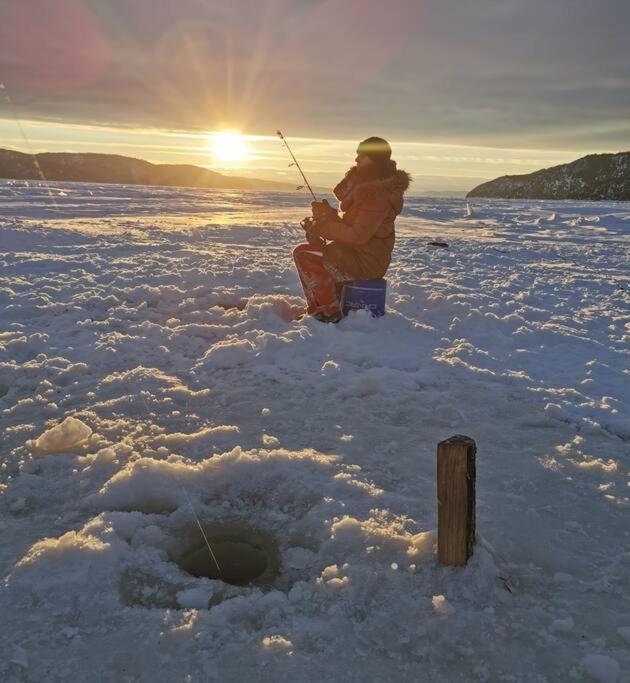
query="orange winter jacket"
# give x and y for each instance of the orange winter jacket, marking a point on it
(363, 237)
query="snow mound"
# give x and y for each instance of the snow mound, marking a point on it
(276, 478)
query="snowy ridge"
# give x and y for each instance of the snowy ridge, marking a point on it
(151, 365)
(594, 177)
(114, 168)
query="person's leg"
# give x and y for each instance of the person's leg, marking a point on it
(317, 282)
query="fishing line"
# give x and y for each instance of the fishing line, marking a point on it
(203, 533)
(18, 123)
(8, 100)
(192, 508)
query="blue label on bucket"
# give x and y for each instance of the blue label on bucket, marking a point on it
(367, 294)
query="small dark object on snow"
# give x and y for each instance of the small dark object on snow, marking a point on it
(506, 584)
(444, 245)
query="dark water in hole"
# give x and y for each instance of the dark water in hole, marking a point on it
(240, 562)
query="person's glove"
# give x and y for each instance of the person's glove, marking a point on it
(310, 228)
(322, 210)
(307, 223)
(313, 238)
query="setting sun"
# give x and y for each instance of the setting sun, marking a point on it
(228, 146)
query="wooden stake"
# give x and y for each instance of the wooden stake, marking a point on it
(456, 499)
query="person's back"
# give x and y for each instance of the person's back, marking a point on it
(371, 196)
(369, 206)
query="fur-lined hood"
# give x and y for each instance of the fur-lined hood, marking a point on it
(354, 187)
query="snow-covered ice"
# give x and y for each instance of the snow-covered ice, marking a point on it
(153, 369)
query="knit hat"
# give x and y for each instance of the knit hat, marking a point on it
(376, 149)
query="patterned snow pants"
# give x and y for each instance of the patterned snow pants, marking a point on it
(319, 279)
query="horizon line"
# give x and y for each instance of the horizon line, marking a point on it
(187, 134)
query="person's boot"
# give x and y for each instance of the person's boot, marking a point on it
(323, 318)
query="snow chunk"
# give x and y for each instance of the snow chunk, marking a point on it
(330, 368)
(330, 572)
(422, 543)
(279, 643)
(440, 605)
(269, 440)
(601, 668)
(70, 547)
(63, 437)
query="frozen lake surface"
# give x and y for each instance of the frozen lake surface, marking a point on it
(158, 326)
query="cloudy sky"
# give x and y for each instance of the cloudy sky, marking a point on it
(465, 89)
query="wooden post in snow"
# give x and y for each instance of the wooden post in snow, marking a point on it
(456, 499)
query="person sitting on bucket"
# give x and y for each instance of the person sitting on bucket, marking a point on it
(362, 239)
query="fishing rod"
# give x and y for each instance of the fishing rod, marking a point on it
(295, 162)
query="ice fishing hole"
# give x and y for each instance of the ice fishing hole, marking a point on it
(237, 555)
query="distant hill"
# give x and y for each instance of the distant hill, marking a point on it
(596, 176)
(112, 168)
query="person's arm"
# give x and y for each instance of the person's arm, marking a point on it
(370, 216)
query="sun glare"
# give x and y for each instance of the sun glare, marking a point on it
(228, 147)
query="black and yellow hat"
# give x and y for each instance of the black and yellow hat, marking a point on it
(376, 149)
